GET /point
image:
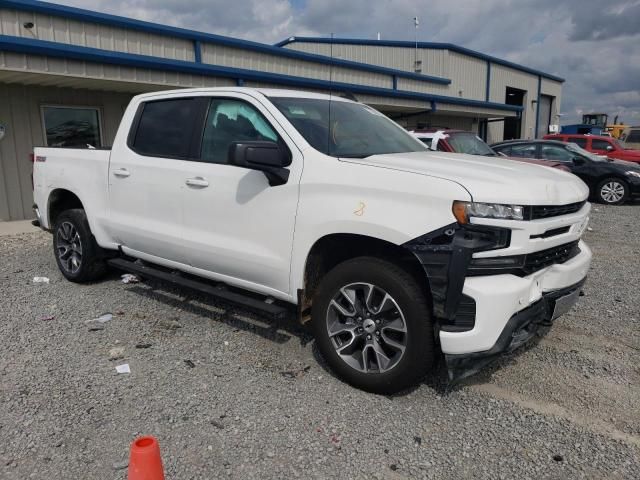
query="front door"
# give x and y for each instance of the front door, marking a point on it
(146, 178)
(601, 147)
(236, 226)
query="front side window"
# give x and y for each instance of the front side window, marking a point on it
(599, 144)
(165, 128)
(555, 153)
(523, 151)
(346, 129)
(231, 121)
(72, 126)
(467, 142)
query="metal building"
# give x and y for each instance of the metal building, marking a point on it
(472, 75)
(66, 75)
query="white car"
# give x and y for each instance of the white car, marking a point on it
(391, 251)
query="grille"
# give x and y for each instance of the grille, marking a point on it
(538, 260)
(523, 265)
(545, 211)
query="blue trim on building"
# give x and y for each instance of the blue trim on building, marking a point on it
(58, 50)
(432, 45)
(395, 82)
(139, 25)
(535, 133)
(487, 93)
(197, 51)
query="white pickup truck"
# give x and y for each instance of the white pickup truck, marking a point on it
(271, 197)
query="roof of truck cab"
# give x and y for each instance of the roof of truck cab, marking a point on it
(267, 92)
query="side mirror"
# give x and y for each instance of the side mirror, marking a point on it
(578, 161)
(267, 157)
(609, 148)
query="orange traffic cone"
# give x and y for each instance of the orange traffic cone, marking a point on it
(144, 461)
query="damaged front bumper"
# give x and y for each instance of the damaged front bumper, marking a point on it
(522, 327)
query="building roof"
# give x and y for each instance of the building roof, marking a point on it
(426, 45)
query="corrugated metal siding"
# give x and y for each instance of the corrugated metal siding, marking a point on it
(238, 58)
(20, 113)
(468, 76)
(86, 34)
(503, 77)
(434, 62)
(437, 120)
(410, 85)
(554, 89)
(86, 70)
(495, 132)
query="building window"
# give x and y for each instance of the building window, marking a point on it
(72, 126)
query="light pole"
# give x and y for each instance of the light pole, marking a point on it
(417, 64)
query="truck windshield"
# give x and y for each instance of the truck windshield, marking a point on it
(467, 142)
(346, 129)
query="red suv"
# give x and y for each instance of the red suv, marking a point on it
(599, 145)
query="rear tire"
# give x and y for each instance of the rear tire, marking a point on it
(612, 191)
(372, 323)
(78, 256)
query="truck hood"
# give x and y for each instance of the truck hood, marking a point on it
(489, 179)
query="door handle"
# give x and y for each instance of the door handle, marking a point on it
(197, 182)
(121, 172)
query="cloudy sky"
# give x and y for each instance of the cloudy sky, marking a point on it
(594, 44)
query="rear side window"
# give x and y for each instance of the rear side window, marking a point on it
(523, 151)
(580, 141)
(165, 128)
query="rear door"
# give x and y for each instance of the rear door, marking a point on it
(236, 226)
(146, 177)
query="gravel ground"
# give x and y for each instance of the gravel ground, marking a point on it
(233, 395)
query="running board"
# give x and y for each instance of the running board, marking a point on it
(252, 303)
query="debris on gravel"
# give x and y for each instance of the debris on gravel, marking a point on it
(116, 353)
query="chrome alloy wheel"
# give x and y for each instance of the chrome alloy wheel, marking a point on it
(612, 192)
(367, 328)
(68, 247)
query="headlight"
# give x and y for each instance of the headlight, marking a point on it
(633, 173)
(464, 210)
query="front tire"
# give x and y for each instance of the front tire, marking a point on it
(78, 256)
(612, 191)
(372, 323)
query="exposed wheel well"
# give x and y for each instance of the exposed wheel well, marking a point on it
(59, 201)
(336, 248)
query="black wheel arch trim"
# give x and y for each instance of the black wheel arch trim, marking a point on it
(445, 255)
